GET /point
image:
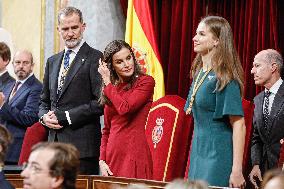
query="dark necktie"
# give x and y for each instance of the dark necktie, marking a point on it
(265, 110)
(15, 88)
(64, 72)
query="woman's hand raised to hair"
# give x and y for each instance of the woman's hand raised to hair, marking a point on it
(104, 71)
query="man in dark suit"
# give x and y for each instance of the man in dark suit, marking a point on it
(19, 103)
(71, 89)
(268, 118)
(5, 57)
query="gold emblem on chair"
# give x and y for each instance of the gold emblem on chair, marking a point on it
(157, 132)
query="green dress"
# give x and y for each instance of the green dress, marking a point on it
(211, 156)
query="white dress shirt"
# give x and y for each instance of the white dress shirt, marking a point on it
(273, 91)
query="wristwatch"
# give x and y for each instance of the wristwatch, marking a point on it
(41, 121)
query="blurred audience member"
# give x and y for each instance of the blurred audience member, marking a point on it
(273, 179)
(51, 166)
(5, 139)
(19, 103)
(182, 184)
(132, 186)
(5, 57)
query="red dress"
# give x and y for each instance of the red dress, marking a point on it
(123, 145)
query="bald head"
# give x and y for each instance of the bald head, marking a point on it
(23, 64)
(275, 183)
(267, 66)
(271, 56)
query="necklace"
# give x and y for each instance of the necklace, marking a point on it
(196, 86)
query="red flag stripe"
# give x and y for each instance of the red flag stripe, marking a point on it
(144, 15)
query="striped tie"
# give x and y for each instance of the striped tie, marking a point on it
(265, 110)
(64, 72)
(15, 88)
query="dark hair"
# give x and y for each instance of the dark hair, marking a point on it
(68, 11)
(5, 52)
(65, 161)
(5, 140)
(112, 48)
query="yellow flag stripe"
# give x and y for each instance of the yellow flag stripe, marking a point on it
(136, 37)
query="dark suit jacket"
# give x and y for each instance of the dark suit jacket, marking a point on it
(265, 147)
(20, 112)
(5, 79)
(79, 96)
(4, 184)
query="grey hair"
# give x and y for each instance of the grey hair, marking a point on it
(273, 56)
(67, 11)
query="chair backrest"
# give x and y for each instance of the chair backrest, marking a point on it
(168, 136)
(248, 108)
(34, 134)
(281, 155)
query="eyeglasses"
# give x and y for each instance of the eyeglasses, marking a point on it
(33, 168)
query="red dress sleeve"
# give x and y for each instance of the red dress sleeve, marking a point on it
(140, 94)
(105, 135)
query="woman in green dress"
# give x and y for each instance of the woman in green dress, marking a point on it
(215, 101)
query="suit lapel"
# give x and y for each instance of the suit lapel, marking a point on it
(78, 61)
(276, 106)
(53, 76)
(3, 79)
(8, 92)
(259, 109)
(22, 89)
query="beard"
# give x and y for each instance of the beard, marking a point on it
(71, 43)
(21, 74)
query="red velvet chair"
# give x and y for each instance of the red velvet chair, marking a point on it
(281, 157)
(34, 134)
(248, 108)
(168, 135)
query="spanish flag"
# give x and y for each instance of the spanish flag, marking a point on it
(140, 35)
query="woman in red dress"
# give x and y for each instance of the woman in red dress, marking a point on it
(127, 95)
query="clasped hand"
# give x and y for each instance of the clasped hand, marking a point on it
(51, 121)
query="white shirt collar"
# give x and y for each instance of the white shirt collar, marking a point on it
(77, 48)
(275, 86)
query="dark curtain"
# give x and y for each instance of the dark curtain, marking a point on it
(123, 4)
(175, 22)
(255, 25)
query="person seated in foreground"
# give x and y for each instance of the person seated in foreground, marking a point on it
(51, 166)
(273, 179)
(185, 184)
(5, 140)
